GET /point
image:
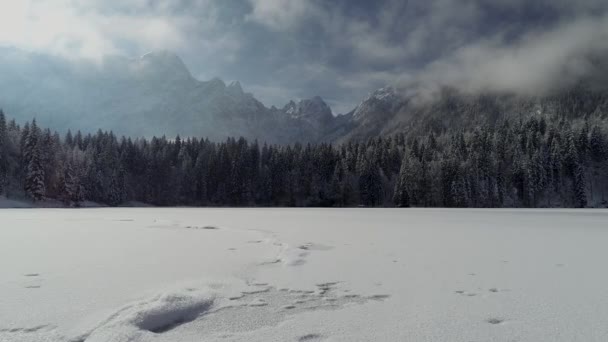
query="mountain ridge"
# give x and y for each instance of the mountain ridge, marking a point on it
(156, 94)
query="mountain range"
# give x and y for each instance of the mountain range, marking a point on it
(157, 95)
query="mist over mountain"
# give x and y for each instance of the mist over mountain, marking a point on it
(388, 110)
(151, 95)
(156, 95)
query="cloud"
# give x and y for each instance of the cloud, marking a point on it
(538, 62)
(94, 28)
(281, 14)
(339, 49)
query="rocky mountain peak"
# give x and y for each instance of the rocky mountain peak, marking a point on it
(381, 100)
(235, 88)
(163, 64)
(314, 108)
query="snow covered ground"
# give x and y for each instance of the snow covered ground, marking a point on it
(303, 275)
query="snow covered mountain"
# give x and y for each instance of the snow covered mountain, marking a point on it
(389, 110)
(314, 111)
(156, 95)
(151, 95)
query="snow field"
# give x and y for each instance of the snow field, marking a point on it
(303, 275)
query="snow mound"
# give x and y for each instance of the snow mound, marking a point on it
(292, 256)
(289, 255)
(296, 256)
(170, 311)
(161, 313)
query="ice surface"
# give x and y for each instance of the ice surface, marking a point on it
(152, 274)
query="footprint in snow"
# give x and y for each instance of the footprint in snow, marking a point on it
(315, 247)
(495, 321)
(204, 227)
(310, 338)
(379, 297)
(325, 288)
(258, 302)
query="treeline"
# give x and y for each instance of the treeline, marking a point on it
(537, 162)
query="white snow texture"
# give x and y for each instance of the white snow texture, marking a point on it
(149, 274)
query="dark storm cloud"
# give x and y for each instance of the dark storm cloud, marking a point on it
(347, 48)
(343, 49)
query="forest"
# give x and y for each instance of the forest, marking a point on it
(540, 161)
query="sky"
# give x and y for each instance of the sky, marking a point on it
(338, 49)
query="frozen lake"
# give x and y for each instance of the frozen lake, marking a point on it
(303, 275)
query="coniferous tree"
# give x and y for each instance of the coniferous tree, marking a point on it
(597, 145)
(531, 162)
(3, 154)
(580, 193)
(406, 193)
(34, 178)
(72, 189)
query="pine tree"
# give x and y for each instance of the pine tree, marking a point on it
(35, 187)
(597, 145)
(580, 193)
(408, 181)
(370, 181)
(72, 189)
(570, 152)
(583, 144)
(116, 188)
(3, 154)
